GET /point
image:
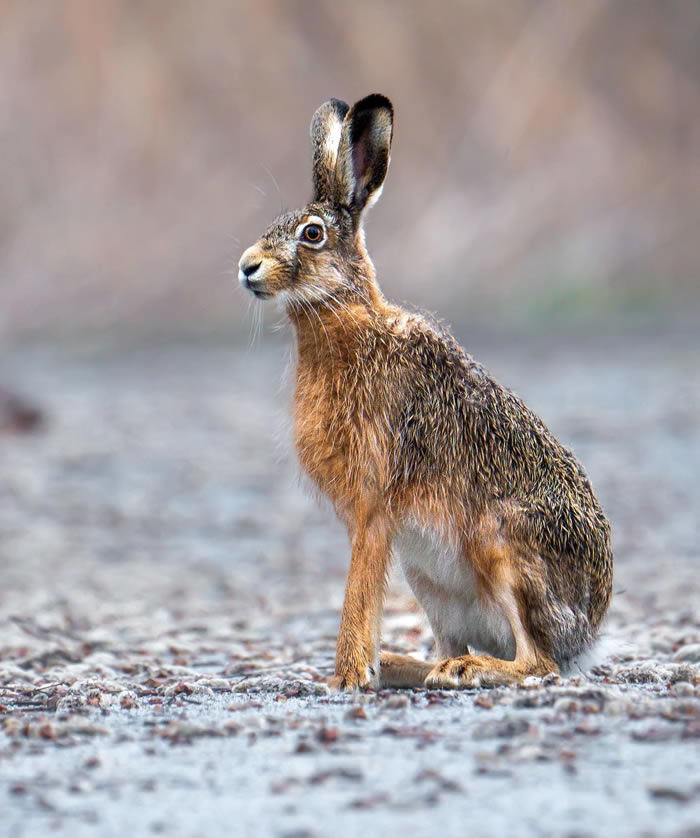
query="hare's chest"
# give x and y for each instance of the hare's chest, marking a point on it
(325, 437)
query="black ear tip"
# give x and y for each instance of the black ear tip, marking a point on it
(331, 106)
(338, 105)
(374, 101)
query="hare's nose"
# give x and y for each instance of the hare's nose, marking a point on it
(249, 268)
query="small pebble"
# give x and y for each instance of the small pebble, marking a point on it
(689, 653)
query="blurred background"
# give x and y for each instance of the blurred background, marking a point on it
(545, 167)
(543, 199)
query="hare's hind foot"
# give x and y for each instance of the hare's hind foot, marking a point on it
(470, 671)
(464, 672)
(402, 671)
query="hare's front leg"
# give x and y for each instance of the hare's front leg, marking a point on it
(357, 654)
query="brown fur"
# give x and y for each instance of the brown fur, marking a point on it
(399, 427)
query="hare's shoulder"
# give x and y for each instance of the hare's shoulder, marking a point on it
(447, 391)
(428, 351)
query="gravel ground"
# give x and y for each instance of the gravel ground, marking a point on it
(170, 596)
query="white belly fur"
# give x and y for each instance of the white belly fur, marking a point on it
(444, 584)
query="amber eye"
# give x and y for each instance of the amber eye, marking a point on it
(312, 233)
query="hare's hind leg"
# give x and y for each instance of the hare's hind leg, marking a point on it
(471, 671)
(467, 671)
(402, 670)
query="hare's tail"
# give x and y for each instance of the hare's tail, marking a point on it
(606, 646)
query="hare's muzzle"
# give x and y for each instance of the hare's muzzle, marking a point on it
(247, 268)
(249, 272)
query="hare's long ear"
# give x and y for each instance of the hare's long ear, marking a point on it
(326, 128)
(363, 153)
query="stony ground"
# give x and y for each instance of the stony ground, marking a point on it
(169, 599)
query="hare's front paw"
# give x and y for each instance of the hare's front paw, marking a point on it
(455, 673)
(353, 679)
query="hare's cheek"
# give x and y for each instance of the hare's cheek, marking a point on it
(280, 280)
(288, 254)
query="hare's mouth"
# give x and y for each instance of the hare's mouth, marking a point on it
(253, 287)
(262, 295)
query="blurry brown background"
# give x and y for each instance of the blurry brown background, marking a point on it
(545, 166)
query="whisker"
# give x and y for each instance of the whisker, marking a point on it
(274, 181)
(344, 307)
(318, 317)
(251, 330)
(259, 315)
(334, 312)
(302, 303)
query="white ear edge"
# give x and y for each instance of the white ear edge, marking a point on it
(331, 143)
(377, 194)
(373, 198)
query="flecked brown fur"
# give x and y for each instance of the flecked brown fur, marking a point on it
(398, 426)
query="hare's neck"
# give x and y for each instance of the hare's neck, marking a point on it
(333, 327)
(329, 332)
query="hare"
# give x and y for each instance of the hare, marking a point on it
(422, 452)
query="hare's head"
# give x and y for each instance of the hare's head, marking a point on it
(317, 252)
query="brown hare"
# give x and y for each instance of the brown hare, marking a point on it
(421, 452)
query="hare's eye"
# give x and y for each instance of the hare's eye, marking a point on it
(312, 233)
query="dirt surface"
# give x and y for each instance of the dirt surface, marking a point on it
(170, 596)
